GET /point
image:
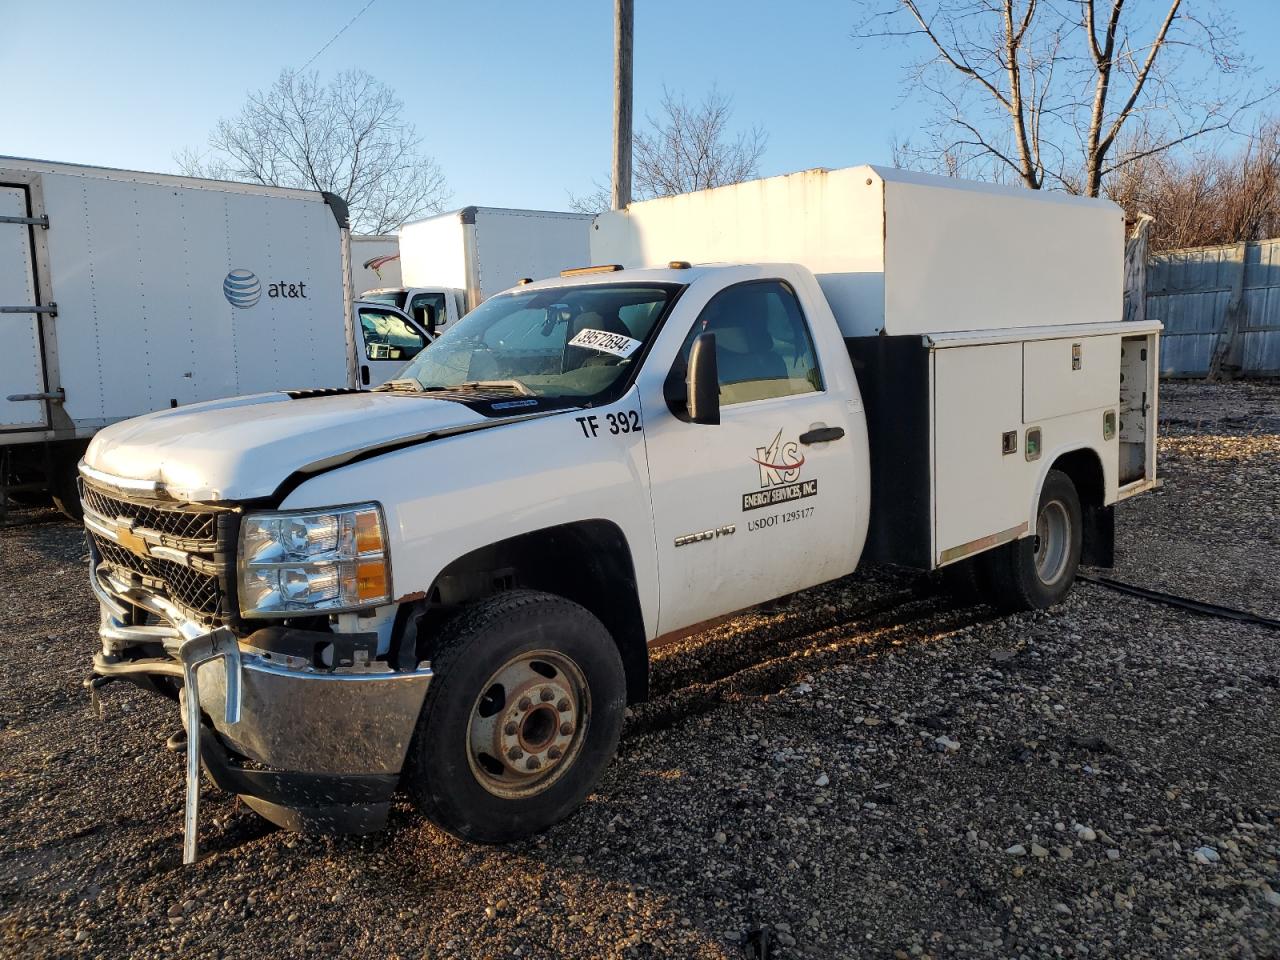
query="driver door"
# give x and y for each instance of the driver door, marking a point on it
(389, 340)
(757, 506)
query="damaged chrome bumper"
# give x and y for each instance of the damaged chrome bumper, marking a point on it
(307, 747)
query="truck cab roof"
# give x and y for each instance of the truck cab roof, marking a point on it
(682, 275)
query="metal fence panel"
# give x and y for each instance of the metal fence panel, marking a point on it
(1190, 291)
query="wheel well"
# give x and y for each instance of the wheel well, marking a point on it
(588, 562)
(1085, 470)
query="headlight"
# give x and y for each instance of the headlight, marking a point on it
(321, 560)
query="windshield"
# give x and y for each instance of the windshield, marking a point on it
(393, 297)
(574, 342)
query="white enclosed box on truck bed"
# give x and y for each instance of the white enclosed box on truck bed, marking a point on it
(485, 250)
(896, 252)
(983, 322)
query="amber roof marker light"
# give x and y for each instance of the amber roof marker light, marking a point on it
(582, 271)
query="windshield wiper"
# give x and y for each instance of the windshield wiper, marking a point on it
(404, 384)
(515, 385)
(410, 385)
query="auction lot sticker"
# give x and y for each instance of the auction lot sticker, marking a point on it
(615, 343)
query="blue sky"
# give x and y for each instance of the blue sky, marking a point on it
(512, 98)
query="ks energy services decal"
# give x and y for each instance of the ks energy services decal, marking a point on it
(780, 464)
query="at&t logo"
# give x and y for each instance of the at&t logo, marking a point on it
(242, 289)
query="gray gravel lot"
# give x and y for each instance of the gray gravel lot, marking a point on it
(872, 771)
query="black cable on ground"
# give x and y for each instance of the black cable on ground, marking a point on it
(1173, 600)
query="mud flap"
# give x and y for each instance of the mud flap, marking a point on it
(1098, 548)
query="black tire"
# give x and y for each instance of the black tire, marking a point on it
(65, 490)
(1036, 572)
(460, 788)
(30, 498)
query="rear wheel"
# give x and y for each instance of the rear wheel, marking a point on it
(1036, 572)
(521, 719)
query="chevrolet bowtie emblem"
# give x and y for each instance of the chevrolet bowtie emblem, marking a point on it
(130, 540)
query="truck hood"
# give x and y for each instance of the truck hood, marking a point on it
(243, 448)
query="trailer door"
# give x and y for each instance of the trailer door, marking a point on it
(21, 315)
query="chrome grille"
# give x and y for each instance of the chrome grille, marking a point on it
(183, 524)
(197, 592)
(183, 553)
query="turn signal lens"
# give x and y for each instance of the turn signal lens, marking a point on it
(368, 532)
(371, 580)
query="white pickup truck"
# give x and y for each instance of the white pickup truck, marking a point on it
(449, 585)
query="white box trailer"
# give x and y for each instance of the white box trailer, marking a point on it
(451, 262)
(122, 293)
(983, 321)
(375, 262)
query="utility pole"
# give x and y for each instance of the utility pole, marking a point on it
(623, 24)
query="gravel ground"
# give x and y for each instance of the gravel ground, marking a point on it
(871, 771)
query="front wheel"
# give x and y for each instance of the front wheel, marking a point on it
(1036, 572)
(521, 719)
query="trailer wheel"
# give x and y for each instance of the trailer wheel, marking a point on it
(520, 720)
(1036, 572)
(65, 490)
(28, 498)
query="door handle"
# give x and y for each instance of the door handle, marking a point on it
(57, 396)
(822, 435)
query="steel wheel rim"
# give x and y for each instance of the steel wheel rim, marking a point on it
(1053, 542)
(528, 724)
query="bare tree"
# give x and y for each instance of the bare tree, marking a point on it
(687, 148)
(1040, 91)
(347, 137)
(1205, 198)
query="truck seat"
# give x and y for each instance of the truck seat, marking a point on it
(745, 350)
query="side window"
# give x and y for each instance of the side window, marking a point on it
(388, 337)
(763, 347)
(428, 310)
(638, 318)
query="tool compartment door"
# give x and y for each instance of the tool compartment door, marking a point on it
(21, 350)
(979, 488)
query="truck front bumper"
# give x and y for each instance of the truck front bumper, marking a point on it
(308, 748)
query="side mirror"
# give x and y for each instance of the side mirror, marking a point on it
(703, 381)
